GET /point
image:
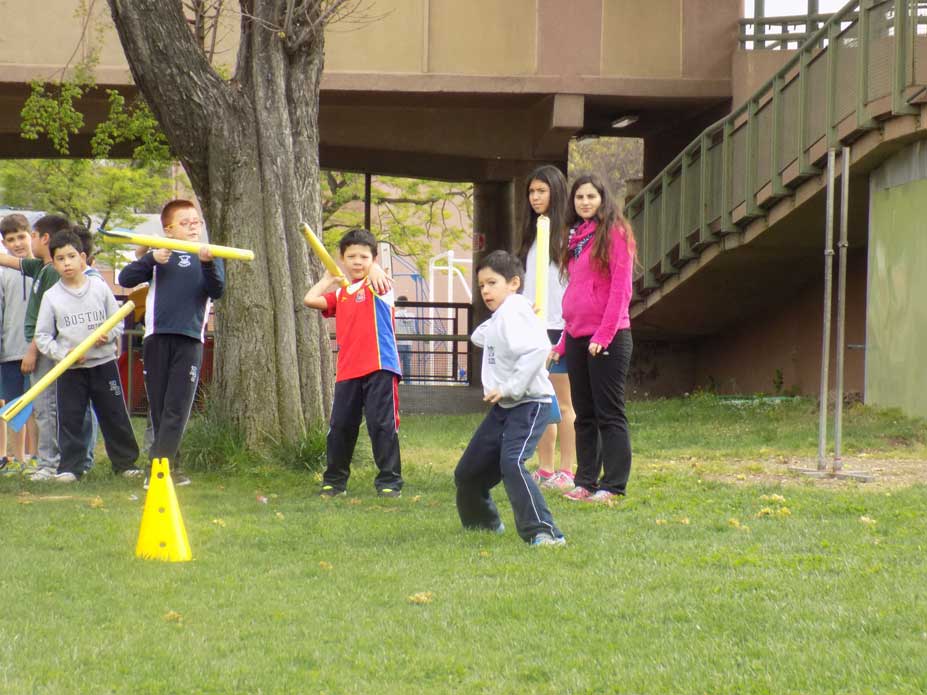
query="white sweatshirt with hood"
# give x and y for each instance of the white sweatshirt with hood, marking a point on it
(515, 349)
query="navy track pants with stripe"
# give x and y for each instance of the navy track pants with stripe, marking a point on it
(501, 445)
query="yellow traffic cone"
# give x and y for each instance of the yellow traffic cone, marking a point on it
(162, 535)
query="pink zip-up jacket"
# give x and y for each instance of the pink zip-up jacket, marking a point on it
(596, 303)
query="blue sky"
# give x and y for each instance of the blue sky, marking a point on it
(779, 8)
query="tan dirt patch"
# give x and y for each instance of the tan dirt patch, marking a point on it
(886, 473)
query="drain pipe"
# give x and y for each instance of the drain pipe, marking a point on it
(842, 248)
(828, 291)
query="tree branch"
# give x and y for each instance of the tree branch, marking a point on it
(171, 71)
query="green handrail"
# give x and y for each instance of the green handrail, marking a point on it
(867, 47)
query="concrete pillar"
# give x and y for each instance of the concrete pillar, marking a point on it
(493, 228)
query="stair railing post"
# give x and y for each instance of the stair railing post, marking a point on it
(842, 247)
(828, 292)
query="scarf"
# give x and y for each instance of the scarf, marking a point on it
(580, 236)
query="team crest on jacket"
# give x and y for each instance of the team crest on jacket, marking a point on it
(183, 261)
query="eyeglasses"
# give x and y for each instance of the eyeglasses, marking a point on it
(187, 224)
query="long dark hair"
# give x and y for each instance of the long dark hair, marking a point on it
(607, 217)
(557, 211)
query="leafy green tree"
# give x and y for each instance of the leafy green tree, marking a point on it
(113, 192)
(413, 215)
(615, 160)
(247, 137)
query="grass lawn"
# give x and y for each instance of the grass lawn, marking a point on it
(712, 576)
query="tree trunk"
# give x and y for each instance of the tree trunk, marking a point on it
(250, 147)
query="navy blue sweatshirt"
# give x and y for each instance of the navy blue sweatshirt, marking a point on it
(179, 292)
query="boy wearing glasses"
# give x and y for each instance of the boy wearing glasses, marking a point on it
(181, 287)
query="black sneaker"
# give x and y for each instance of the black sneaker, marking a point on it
(331, 491)
(389, 492)
(180, 480)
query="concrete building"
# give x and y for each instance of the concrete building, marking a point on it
(731, 218)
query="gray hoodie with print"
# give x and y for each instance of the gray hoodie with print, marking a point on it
(67, 316)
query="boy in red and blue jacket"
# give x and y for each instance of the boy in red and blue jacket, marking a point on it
(368, 372)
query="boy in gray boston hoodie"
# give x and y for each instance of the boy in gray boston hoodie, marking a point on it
(71, 310)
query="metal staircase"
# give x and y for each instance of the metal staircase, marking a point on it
(860, 78)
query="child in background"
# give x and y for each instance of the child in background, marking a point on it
(71, 310)
(515, 382)
(15, 288)
(368, 372)
(41, 270)
(598, 257)
(86, 240)
(547, 195)
(405, 325)
(181, 289)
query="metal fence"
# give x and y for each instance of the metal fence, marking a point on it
(432, 337)
(862, 65)
(433, 340)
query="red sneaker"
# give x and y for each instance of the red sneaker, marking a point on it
(541, 477)
(578, 494)
(561, 480)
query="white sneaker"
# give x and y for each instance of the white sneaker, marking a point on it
(547, 539)
(561, 480)
(65, 478)
(43, 474)
(131, 473)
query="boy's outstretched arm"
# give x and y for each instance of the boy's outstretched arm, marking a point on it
(27, 366)
(10, 261)
(378, 279)
(315, 297)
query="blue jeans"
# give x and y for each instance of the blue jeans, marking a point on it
(497, 452)
(405, 358)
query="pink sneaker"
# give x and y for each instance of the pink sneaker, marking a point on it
(601, 497)
(541, 477)
(561, 480)
(578, 494)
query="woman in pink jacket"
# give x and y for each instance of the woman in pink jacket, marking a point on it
(598, 258)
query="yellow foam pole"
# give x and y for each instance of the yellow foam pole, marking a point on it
(69, 360)
(158, 242)
(542, 246)
(318, 248)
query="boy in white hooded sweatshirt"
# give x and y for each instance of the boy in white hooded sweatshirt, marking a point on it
(515, 350)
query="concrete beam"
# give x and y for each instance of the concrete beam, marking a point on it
(557, 119)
